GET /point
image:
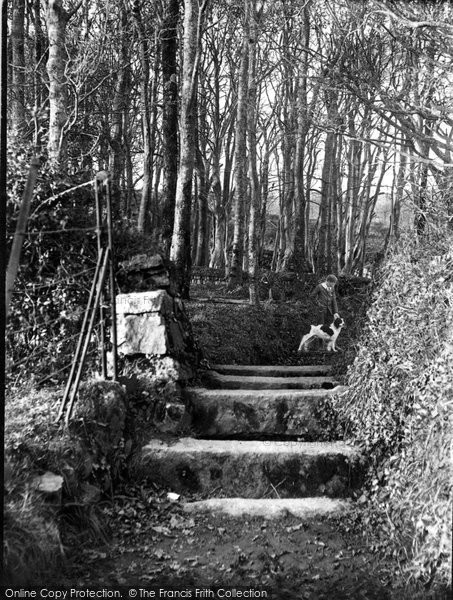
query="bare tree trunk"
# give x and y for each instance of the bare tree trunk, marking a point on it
(38, 75)
(264, 193)
(169, 33)
(228, 197)
(128, 170)
(368, 203)
(240, 172)
(202, 239)
(426, 126)
(324, 210)
(352, 193)
(57, 19)
(194, 219)
(148, 124)
(289, 125)
(180, 244)
(303, 125)
(340, 208)
(253, 237)
(117, 154)
(202, 245)
(17, 102)
(400, 184)
(288, 198)
(219, 256)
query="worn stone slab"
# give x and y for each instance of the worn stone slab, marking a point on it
(266, 412)
(218, 300)
(141, 262)
(273, 371)
(271, 508)
(137, 303)
(142, 334)
(260, 382)
(252, 469)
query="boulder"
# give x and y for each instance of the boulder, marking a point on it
(144, 272)
(50, 486)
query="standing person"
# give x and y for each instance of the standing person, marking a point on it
(325, 301)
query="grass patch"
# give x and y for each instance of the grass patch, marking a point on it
(39, 530)
(271, 332)
(31, 539)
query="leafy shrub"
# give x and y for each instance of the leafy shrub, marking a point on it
(399, 403)
(57, 265)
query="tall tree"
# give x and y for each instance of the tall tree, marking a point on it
(56, 20)
(180, 253)
(117, 153)
(303, 125)
(240, 157)
(148, 96)
(201, 249)
(253, 233)
(169, 46)
(18, 69)
(38, 53)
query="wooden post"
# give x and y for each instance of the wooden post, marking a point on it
(13, 264)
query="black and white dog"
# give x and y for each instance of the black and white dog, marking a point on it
(328, 333)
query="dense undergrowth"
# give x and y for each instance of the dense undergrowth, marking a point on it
(399, 407)
(57, 265)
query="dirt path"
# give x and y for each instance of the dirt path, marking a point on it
(154, 543)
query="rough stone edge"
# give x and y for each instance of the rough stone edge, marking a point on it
(304, 508)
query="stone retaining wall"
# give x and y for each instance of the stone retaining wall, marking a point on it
(151, 319)
(157, 351)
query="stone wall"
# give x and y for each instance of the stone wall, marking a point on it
(157, 351)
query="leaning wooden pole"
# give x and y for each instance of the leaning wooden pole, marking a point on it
(100, 284)
(101, 306)
(112, 281)
(82, 335)
(14, 257)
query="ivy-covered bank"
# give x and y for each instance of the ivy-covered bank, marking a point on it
(399, 407)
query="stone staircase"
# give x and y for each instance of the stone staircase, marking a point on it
(256, 445)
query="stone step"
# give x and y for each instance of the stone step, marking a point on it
(226, 413)
(273, 371)
(271, 508)
(259, 382)
(252, 469)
